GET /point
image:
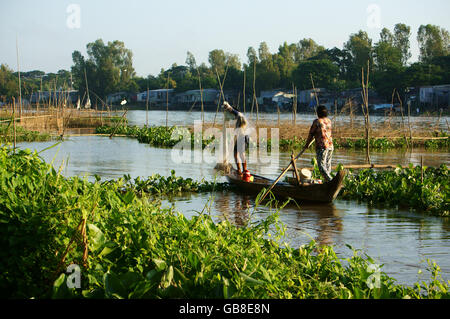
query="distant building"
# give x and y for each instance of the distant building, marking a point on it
(438, 95)
(308, 97)
(158, 96)
(116, 97)
(71, 96)
(355, 96)
(208, 96)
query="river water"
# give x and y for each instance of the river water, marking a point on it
(158, 118)
(400, 240)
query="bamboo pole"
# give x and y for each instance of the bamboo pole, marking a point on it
(253, 103)
(167, 100)
(293, 111)
(421, 168)
(295, 168)
(20, 84)
(87, 87)
(254, 93)
(14, 125)
(365, 108)
(364, 166)
(243, 96)
(201, 97)
(278, 111)
(221, 92)
(315, 94)
(403, 120)
(257, 109)
(409, 123)
(146, 108)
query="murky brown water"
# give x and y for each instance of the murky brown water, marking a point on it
(400, 240)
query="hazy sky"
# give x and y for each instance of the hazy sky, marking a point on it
(161, 32)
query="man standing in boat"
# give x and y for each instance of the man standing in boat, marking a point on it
(241, 141)
(321, 131)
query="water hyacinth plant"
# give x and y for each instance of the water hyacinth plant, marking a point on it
(426, 190)
(127, 246)
(171, 185)
(159, 136)
(162, 136)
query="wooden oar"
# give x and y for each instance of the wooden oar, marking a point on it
(295, 168)
(285, 170)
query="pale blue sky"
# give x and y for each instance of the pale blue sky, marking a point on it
(161, 32)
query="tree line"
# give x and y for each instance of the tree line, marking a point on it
(108, 67)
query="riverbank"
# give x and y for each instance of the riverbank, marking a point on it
(129, 247)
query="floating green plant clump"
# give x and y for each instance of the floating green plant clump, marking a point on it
(171, 185)
(403, 187)
(159, 136)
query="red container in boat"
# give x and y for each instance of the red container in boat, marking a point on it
(247, 177)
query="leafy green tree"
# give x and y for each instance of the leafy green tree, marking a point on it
(232, 61)
(402, 33)
(8, 82)
(434, 73)
(324, 73)
(252, 56)
(433, 42)
(385, 52)
(264, 52)
(360, 47)
(108, 68)
(267, 73)
(285, 60)
(344, 61)
(393, 76)
(307, 48)
(217, 59)
(190, 61)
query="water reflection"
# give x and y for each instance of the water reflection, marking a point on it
(235, 209)
(328, 222)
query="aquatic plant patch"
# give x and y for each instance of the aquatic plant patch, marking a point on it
(402, 187)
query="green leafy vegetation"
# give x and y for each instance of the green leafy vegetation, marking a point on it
(402, 187)
(153, 135)
(171, 185)
(379, 144)
(22, 135)
(129, 247)
(159, 136)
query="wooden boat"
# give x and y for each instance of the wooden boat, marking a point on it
(321, 193)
